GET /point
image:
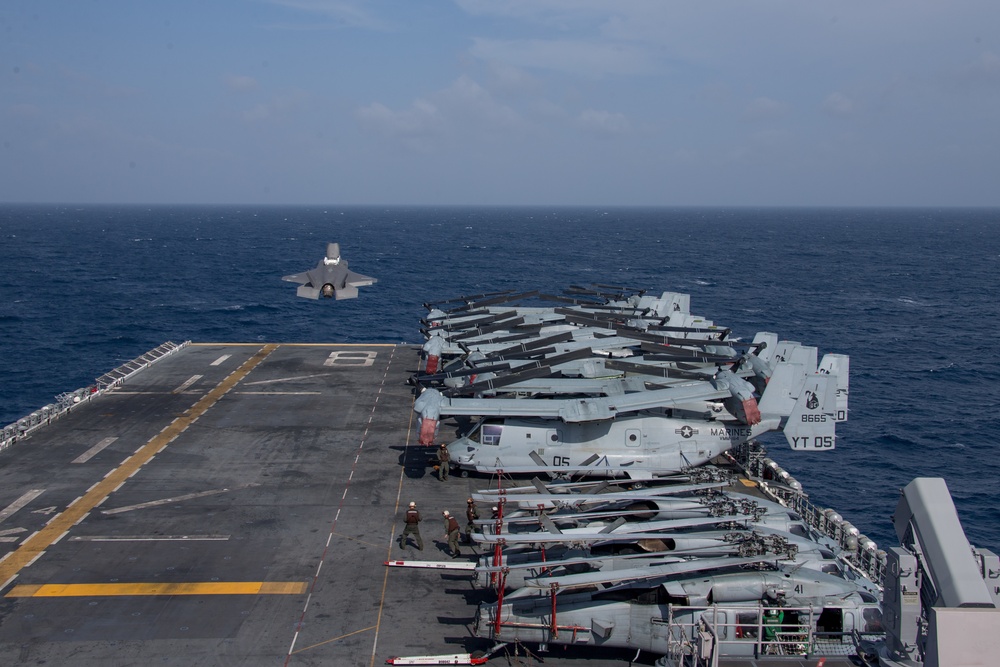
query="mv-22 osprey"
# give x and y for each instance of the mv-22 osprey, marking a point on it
(650, 432)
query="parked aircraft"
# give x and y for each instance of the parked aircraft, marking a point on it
(641, 434)
(773, 610)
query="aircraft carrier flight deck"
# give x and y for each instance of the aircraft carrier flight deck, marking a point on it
(233, 504)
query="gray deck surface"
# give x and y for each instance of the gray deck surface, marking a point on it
(298, 475)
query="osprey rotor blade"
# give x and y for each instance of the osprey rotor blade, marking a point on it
(464, 299)
(494, 301)
(503, 381)
(498, 325)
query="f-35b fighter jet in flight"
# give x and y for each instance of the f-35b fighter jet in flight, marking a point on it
(330, 279)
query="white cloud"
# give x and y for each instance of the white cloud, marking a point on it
(548, 109)
(984, 69)
(421, 119)
(257, 113)
(559, 13)
(241, 84)
(462, 109)
(604, 122)
(587, 58)
(765, 107)
(513, 80)
(343, 12)
(278, 107)
(838, 104)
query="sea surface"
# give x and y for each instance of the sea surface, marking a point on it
(910, 294)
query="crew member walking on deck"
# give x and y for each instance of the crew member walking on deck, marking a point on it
(444, 462)
(451, 533)
(471, 514)
(411, 521)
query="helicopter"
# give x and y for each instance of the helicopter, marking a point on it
(755, 605)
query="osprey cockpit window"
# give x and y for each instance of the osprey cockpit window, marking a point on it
(489, 434)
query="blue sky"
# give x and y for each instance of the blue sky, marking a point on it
(589, 102)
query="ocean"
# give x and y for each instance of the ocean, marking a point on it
(910, 294)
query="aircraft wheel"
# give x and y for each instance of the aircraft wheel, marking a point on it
(465, 473)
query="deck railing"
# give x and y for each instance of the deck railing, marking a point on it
(710, 633)
(69, 400)
(860, 552)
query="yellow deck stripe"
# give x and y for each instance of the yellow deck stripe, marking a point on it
(191, 588)
(35, 546)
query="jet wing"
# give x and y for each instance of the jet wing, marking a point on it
(359, 280)
(300, 278)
